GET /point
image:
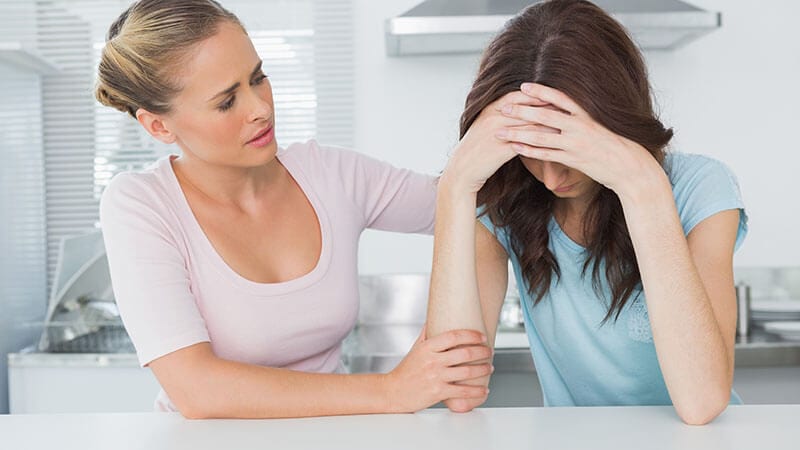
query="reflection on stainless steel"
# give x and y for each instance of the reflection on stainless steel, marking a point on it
(393, 310)
(381, 348)
(84, 325)
(82, 316)
(774, 283)
(511, 315)
(742, 309)
(393, 299)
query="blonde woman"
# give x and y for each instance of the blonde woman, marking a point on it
(234, 263)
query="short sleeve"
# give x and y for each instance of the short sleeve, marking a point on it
(389, 198)
(148, 271)
(703, 187)
(499, 232)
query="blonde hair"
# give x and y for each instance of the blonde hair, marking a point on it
(146, 45)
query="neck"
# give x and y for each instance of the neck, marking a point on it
(228, 185)
(570, 214)
(570, 209)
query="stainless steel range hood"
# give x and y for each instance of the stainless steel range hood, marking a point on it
(466, 26)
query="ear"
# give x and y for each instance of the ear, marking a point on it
(155, 125)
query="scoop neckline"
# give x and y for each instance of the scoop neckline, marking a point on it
(189, 219)
(555, 229)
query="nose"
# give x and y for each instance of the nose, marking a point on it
(260, 104)
(553, 174)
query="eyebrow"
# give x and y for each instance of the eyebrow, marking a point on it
(236, 85)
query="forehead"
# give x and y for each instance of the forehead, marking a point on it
(219, 61)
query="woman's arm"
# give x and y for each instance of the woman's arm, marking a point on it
(204, 386)
(469, 276)
(690, 298)
(470, 267)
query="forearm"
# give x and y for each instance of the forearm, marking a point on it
(226, 389)
(691, 349)
(454, 301)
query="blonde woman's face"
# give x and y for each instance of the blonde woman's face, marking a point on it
(224, 114)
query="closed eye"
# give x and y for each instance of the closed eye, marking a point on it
(259, 79)
(228, 104)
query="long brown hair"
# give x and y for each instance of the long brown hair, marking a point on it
(575, 47)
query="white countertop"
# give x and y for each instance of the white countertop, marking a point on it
(772, 427)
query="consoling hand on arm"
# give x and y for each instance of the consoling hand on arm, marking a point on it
(203, 386)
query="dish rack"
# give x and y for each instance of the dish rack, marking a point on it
(82, 316)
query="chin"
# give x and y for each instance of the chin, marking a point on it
(262, 155)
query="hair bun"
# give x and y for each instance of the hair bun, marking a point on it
(108, 99)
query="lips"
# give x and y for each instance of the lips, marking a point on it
(260, 134)
(564, 188)
(262, 138)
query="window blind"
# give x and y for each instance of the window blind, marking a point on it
(59, 147)
(23, 279)
(307, 50)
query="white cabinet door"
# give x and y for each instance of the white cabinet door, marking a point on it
(41, 389)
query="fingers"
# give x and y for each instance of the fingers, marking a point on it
(466, 373)
(463, 405)
(534, 138)
(466, 354)
(552, 96)
(544, 154)
(542, 115)
(462, 391)
(518, 97)
(456, 338)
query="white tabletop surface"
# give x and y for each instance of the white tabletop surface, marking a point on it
(619, 428)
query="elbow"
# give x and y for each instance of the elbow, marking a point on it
(194, 411)
(195, 407)
(703, 411)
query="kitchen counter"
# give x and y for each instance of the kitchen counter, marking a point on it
(378, 348)
(771, 427)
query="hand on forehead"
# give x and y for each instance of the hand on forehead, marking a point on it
(517, 100)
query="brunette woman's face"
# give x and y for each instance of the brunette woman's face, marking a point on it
(224, 114)
(561, 180)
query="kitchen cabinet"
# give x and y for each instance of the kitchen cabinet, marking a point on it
(79, 383)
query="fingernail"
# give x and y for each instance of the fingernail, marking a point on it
(526, 87)
(483, 338)
(492, 369)
(507, 109)
(502, 134)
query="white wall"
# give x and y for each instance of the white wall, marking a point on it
(732, 94)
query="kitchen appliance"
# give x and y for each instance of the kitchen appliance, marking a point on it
(466, 26)
(789, 329)
(82, 316)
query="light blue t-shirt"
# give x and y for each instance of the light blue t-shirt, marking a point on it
(580, 362)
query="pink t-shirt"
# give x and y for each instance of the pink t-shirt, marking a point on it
(174, 290)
